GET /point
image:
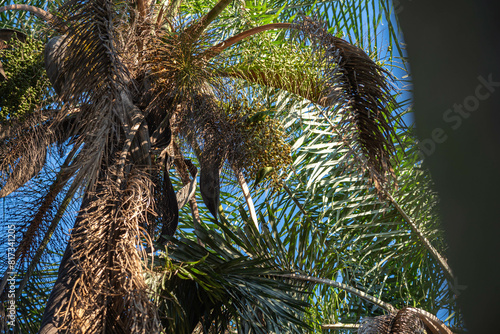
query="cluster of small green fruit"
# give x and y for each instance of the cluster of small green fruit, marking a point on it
(26, 83)
(263, 145)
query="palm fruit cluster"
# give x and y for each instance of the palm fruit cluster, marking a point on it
(176, 67)
(261, 145)
(27, 83)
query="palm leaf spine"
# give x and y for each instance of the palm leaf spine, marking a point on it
(435, 254)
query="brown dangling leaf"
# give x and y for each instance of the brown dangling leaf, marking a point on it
(173, 202)
(210, 185)
(188, 190)
(170, 212)
(162, 135)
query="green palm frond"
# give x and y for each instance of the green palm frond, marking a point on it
(25, 21)
(336, 74)
(361, 225)
(286, 107)
(229, 279)
(231, 288)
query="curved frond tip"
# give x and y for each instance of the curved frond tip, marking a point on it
(44, 15)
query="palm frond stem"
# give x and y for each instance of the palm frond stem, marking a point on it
(168, 12)
(339, 326)
(159, 17)
(142, 8)
(441, 260)
(357, 292)
(44, 15)
(248, 198)
(195, 30)
(215, 50)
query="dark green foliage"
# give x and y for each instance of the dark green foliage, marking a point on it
(218, 285)
(304, 116)
(27, 84)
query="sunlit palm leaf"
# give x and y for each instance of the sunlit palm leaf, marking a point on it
(326, 220)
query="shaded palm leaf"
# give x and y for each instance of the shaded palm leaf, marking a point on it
(223, 284)
(132, 81)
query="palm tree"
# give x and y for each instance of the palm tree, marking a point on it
(140, 88)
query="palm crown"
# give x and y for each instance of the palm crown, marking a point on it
(140, 90)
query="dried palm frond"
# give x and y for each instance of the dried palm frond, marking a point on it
(406, 321)
(109, 290)
(398, 323)
(36, 217)
(24, 150)
(23, 155)
(35, 226)
(360, 87)
(334, 74)
(86, 66)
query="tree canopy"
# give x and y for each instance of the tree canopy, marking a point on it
(205, 167)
